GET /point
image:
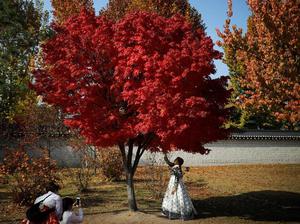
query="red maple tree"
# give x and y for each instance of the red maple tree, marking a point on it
(142, 81)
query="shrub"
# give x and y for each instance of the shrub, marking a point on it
(89, 162)
(111, 164)
(107, 160)
(156, 175)
(27, 177)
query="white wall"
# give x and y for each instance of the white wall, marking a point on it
(222, 153)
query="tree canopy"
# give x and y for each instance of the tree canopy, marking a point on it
(116, 9)
(63, 9)
(143, 80)
(264, 64)
(143, 74)
(22, 27)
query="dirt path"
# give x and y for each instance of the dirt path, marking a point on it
(156, 218)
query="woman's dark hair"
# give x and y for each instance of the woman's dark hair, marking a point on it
(179, 160)
(67, 203)
(52, 186)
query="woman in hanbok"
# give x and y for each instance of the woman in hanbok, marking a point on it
(177, 203)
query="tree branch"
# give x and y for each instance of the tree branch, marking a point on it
(129, 154)
(124, 157)
(137, 158)
(141, 150)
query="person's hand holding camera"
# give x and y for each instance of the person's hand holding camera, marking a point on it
(77, 203)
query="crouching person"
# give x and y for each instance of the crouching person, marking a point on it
(47, 208)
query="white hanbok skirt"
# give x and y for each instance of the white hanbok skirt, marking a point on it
(178, 205)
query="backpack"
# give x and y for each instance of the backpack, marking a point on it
(34, 214)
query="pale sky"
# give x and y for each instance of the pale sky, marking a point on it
(213, 13)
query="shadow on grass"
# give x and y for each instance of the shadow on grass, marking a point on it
(9, 221)
(114, 212)
(258, 206)
(5, 195)
(92, 201)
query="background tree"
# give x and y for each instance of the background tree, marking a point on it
(22, 27)
(141, 82)
(264, 64)
(63, 9)
(116, 9)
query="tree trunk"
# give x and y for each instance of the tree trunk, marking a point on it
(129, 171)
(95, 163)
(131, 166)
(130, 192)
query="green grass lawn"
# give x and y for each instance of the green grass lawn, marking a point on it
(268, 193)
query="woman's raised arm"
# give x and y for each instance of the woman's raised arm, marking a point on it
(168, 161)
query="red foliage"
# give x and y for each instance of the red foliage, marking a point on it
(143, 74)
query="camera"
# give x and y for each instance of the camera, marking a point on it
(78, 201)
